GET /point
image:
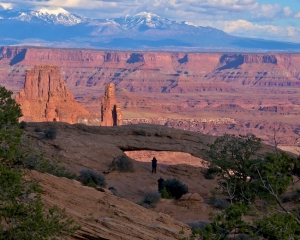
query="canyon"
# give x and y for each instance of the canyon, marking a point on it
(211, 93)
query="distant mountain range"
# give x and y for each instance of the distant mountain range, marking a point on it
(60, 28)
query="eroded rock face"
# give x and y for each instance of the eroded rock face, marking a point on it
(102, 215)
(46, 98)
(111, 114)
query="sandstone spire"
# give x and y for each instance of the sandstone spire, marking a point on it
(46, 98)
(111, 114)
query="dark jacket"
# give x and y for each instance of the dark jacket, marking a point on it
(154, 162)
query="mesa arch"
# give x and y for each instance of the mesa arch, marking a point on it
(95, 147)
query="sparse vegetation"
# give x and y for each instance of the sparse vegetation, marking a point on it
(50, 133)
(37, 129)
(210, 172)
(114, 191)
(219, 202)
(151, 199)
(91, 178)
(23, 125)
(40, 164)
(122, 164)
(175, 188)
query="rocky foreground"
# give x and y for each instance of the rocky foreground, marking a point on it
(105, 216)
(102, 215)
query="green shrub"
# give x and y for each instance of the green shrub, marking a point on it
(37, 129)
(23, 125)
(50, 133)
(90, 178)
(164, 193)
(151, 199)
(175, 188)
(210, 172)
(122, 164)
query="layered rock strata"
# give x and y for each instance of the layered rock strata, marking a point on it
(111, 114)
(45, 98)
(102, 215)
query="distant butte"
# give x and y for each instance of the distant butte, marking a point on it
(46, 98)
(111, 114)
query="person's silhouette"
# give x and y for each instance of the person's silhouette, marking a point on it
(154, 165)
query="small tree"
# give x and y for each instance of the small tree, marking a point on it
(246, 176)
(10, 134)
(235, 160)
(22, 217)
(10, 111)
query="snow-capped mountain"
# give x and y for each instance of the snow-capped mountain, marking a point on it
(48, 15)
(144, 21)
(58, 27)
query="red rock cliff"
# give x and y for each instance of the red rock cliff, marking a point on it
(46, 98)
(111, 114)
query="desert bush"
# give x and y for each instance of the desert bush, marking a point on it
(210, 172)
(151, 199)
(38, 163)
(243, 237)
(220, 202)
(37, 129)
(175, 188)
(90, 178)
(114, 191)
(291, 197)
(23, 125)
(122, 164)
(50, 133)
(198, 225)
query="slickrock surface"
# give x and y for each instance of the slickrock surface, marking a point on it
(111, 114)
(46, 98)
(96, 147)
(102, 215)
(86, 147)
(80, 146)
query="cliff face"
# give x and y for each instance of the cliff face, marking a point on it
(245, 86)
(157, 72)
(111, 114)
(46, 98)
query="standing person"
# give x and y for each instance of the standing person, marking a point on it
(154, 165)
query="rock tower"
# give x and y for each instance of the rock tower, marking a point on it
(111, 114)
(46, 98)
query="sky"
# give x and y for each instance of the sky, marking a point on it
(268, 19)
